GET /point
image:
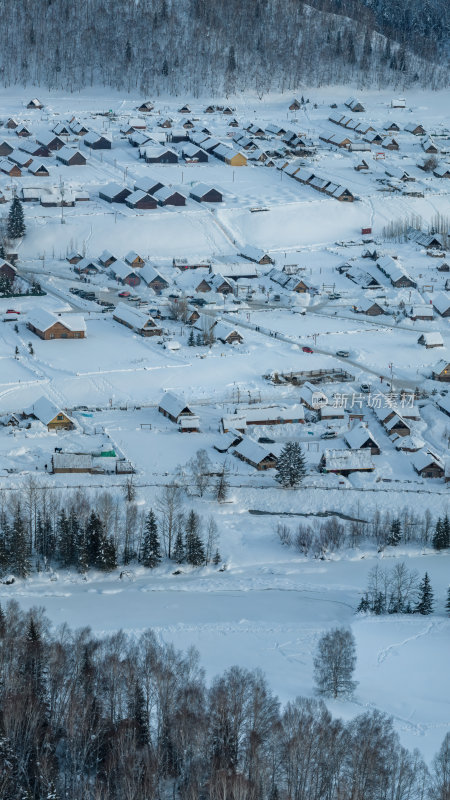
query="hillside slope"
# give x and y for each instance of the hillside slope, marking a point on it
(198, 46)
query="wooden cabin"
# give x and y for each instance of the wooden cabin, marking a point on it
(70, 157)
(136, 319)
(35, 104)
(255, 454)
(113, 193)
(134, 259)
(174, 407)
(141, 200)
(51, 326)
(97, 141)
(49, 414)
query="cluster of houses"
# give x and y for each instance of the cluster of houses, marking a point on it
(361, 444)
(305, 176)
(150, 193)
(365, 132)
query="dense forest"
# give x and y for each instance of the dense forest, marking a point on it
(90, 718)
(200, 47)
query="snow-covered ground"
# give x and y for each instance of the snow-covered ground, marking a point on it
(269, 607)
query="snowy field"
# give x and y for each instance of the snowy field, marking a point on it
(270, 605)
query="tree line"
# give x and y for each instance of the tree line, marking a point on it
(398, 591)
(384, 529)
(126, 718)
(38, 532)
(258, 45)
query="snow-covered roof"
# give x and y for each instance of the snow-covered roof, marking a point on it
(72, 461)
(66, 153)
(432, 338)
(332, 412)
(253, 253)
(191, 149)
(91, 137)
(441, 170)
(358, 435)
(42, 320)
(392, 269)
(366, 303)
(411, 443)
(441, 302)
(222, 331)
(441, 365)
(200, 189)
(234, 421)
(147, 184)
(218, 280)
(112, 189)
(173, 404)
(47, 138)
(390, 424)
(44, 410)
(359, 459)
(424, 458)
(412, 126)
(226, 151)
(166, 192)
(279, 413)
(135, 317)
(422, 311)
(132, 256)
(148, 274)
(312, 396)
(234, 270)
(106, 255)
(156, 151)
(121, 270)
(252, 451)
(189, 422)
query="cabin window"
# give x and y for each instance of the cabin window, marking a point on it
(60, 417)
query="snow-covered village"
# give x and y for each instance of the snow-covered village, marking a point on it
(225, 417)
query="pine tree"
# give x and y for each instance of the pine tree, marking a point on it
(151, 548)
(139, 716)
(195, 551)
(441, 538)
(44, 537)
(18, 546)
(5, 540)
(2, 623)
(231, 65)
(291, 465)
(378, 606)
(16, 222)
(426, 599)
(222, 486)
(217, 558)
(65, 541)
(364, 604)
(6, 287)
(395, 533)
(94, 540)
(33, 663)
(447, 604)
(108, 560)
(178, 554)
(191, 339)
